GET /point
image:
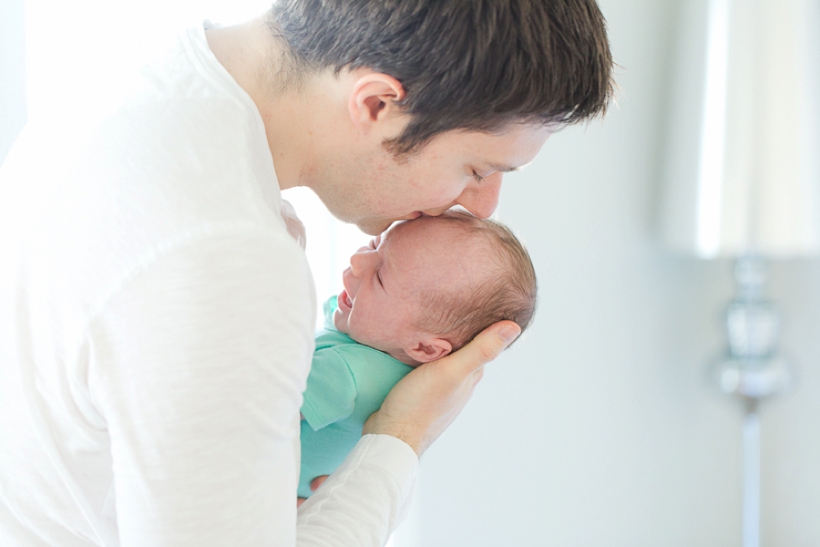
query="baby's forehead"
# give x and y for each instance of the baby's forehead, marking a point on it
(434, 229)
(454, 251)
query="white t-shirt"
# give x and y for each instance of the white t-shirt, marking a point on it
(156, 328)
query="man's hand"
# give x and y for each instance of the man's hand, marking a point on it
(425, 402)
(314, 486)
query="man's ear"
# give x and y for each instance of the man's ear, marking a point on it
(373, 100)
(429, 350)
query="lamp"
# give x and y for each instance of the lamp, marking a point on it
(743, 179)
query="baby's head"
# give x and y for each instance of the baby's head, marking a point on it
(427, 286)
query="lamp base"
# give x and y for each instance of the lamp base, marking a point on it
(752, 371)
(754, 379)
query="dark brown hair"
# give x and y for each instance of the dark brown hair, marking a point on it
(510, 292)
(474, 65)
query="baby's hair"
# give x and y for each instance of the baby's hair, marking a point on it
(510, 292)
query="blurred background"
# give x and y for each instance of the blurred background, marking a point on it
(599, 427)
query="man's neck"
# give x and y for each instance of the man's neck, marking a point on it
(253, 57)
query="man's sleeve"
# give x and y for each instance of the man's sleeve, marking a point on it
(369, 494)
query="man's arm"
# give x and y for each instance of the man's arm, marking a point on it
(377, 478)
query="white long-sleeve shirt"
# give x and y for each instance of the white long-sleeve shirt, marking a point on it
(156, 325)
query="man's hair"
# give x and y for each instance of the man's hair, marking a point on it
(509, 291)
(472, 65)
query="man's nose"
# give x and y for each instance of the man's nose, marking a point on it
(481, 199)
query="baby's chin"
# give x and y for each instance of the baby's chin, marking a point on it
(340, 321)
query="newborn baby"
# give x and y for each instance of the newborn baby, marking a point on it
(419, 291)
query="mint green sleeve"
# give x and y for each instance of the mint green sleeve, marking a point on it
(331, 390)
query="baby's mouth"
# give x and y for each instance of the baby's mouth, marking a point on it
(344, 300)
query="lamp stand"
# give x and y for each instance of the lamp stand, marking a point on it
(752, 371)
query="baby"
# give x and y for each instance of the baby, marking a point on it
(419, 291)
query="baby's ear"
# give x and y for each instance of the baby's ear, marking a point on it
(429, 350)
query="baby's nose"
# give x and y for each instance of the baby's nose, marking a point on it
(358, 263)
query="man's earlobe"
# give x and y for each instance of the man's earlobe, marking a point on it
(430, 350)
(373, 98)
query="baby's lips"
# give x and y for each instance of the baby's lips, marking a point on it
(343, 301)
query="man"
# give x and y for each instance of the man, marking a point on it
(156, 315)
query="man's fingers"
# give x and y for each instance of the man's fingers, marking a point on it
(314, 486)
(486, 346)
(317, 482)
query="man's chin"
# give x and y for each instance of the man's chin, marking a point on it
(374, 227)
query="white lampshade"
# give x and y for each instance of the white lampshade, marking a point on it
(743, 163)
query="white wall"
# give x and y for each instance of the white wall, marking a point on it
(600, 427)
(12, 73)
(791, 436)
